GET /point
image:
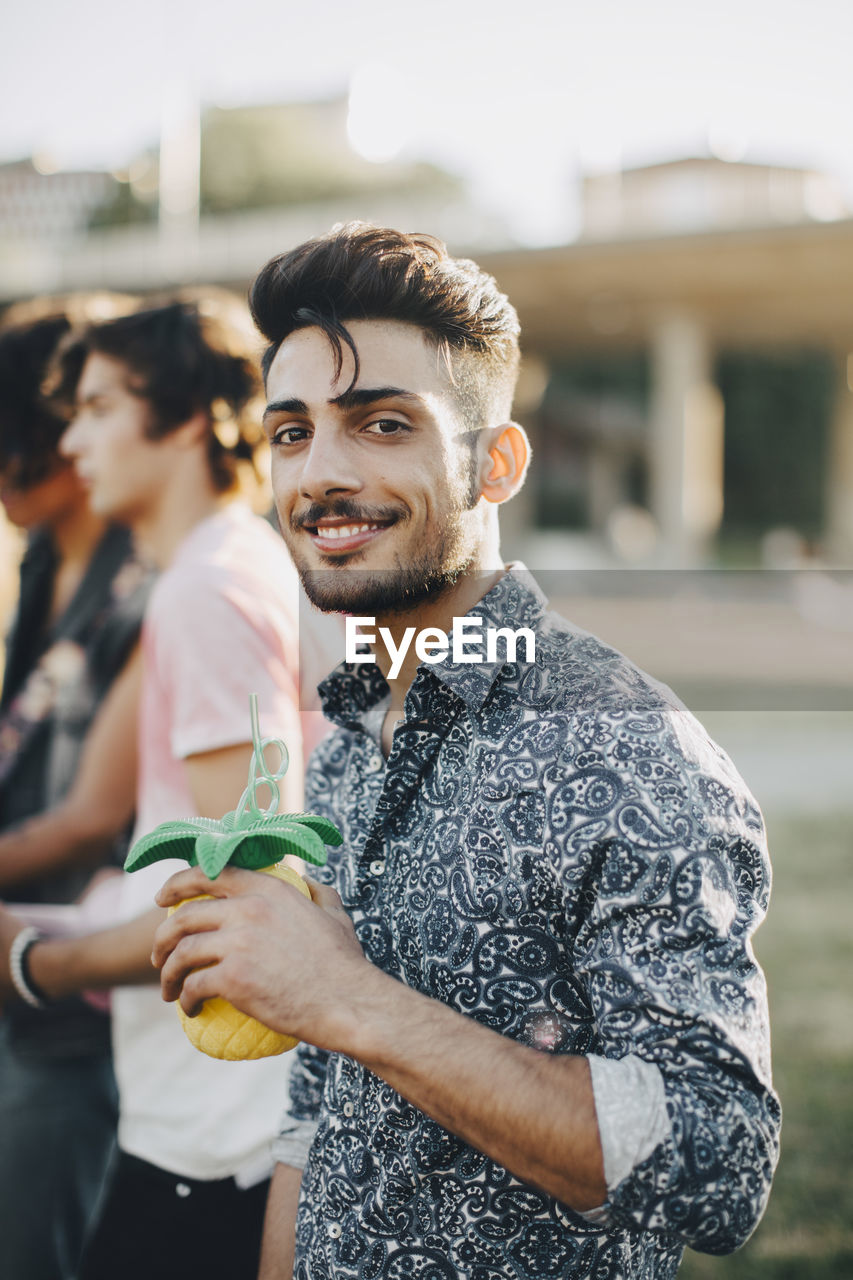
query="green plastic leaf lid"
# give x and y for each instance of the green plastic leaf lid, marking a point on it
(248, 836)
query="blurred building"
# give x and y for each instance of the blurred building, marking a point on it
(223, 191)
(39, 204)
(704, 193)
(687, 376)
(693, 361)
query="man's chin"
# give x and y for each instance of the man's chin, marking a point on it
(327, 590)
(101, 504)
(373, 593)
(346, 590)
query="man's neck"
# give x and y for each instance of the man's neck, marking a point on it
(181, 506)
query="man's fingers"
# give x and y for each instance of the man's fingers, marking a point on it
(324, 895)
(193, 918)
(194, 952)
(193, 881)
(212, 946)
(198, 986)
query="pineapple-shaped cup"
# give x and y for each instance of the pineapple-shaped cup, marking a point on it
(248, 837)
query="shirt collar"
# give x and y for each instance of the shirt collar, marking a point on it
(515, 601)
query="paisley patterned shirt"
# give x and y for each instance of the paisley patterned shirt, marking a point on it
(559, 851)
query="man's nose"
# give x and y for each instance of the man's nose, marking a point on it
(69, 440)
(329, 467)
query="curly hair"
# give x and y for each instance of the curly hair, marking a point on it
(183, 357)
(30, 423)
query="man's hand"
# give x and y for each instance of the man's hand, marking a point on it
(297, 966)
(294, 965)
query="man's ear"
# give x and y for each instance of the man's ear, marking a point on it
(505, 465)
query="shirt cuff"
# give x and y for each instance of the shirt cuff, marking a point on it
(293, 1143)
(630, 1106)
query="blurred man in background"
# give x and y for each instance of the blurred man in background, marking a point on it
(67, 794)
(161, 432)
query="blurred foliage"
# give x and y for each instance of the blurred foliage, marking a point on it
(271, 156)
(268, 157)
(123, 209)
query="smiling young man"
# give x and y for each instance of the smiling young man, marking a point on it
(535, 1033)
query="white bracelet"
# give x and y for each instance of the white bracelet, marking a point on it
(17, 954)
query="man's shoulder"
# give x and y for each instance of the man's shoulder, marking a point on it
(583, 705)
(573, 671)
(579, 674)
(237, 553)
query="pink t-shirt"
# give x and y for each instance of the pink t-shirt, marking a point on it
(221, 624)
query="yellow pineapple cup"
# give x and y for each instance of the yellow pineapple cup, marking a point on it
(220, 1030)
(256, 839)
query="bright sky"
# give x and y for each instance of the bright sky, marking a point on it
(517, 96)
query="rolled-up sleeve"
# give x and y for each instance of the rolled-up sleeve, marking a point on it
(300, 1120)
(666, 958)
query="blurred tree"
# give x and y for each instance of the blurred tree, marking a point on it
(292, 153)
(124, 208)
(132, 200)
(266, 157)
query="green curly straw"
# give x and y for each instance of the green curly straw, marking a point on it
(248, 836)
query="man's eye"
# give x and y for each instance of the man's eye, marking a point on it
(386, 427)
(290, 435)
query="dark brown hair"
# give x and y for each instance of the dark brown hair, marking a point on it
(183, 358)
(30, 425)
(362, 272)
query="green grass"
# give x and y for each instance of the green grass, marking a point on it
(806, 948)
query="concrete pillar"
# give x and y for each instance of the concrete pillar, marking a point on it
(606, 491)
(686, 441)
(839, 493)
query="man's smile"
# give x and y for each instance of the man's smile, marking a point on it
(343, 528)
(339, 536)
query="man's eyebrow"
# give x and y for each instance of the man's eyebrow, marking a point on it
(361, 397)
(285, 406)
(355, 398)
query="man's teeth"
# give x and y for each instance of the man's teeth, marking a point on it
(344, 530)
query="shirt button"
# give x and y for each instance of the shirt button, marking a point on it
(375, 763)
(335, 1230)
(182, 1190)
(348, 1109)
(377, 867)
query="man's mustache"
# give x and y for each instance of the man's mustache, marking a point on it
(346, 509)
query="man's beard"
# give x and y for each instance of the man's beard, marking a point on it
(380, 592)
